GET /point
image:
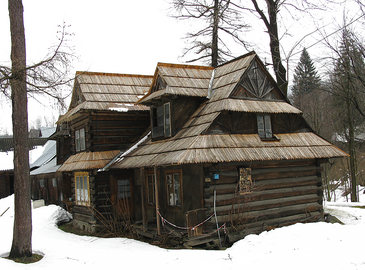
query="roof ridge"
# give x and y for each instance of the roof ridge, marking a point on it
(112, 74)
(159, 64)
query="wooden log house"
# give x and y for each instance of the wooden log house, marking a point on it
(225, 140)
(101, 123)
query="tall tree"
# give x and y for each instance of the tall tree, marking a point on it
(46, 77)
(220, 18)
(347, 91)
(271, 23)
(305, 81)
(22, 235)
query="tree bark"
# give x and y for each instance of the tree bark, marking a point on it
(279, 69)
(215, 35)
(22, 234)
(272, 29)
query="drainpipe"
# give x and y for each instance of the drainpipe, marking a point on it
(211, 85)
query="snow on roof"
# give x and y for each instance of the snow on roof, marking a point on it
(49, 167)
(47, 154)
(37, 156)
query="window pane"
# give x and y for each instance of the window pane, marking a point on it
(169, 178)
(54, 182)
(82, 139)
(86, 191)
(78, 194)
(177, 189)
(81, 188)
(268, 131)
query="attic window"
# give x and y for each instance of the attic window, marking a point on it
(161, 121)
(264, 126)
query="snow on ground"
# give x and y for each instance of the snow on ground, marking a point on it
(300, 246)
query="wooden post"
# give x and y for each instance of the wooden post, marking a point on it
(157, 202)
(144, 201)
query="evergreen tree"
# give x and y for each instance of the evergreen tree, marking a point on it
(305, 81)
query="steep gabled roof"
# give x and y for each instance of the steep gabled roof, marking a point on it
(241, 85)
(107, 92)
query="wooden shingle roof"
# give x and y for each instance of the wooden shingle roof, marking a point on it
(107, 92)
(230, 148)
(181, 80)
(192, 145)
(88, 161)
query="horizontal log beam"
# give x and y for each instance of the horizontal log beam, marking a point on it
(272, 213)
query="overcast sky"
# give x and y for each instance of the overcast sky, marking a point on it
(118, 36)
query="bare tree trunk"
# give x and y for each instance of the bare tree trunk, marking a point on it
(215, 35)
(272, 29)
(22, 235)
(351, 144)
(279, 69)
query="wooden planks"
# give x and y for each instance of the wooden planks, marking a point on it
(281, 192)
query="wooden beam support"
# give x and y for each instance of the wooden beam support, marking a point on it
(144, 200)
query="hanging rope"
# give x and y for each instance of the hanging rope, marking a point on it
(163, 221)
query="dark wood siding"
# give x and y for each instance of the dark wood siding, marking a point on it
(246, 123)
(6, 183)
(282, 193)
(105, 132)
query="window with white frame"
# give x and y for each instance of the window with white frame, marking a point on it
(161, 121)
(264, 126)
(173, 187)
(80, 139)
(82, 188)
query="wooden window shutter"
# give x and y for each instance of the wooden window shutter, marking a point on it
(167, 119)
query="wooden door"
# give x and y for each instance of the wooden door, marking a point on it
(122, 196)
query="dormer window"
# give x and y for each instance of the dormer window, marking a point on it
(264, 126)
(161, 121)
(80, 139)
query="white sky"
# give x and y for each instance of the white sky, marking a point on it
(122, 37)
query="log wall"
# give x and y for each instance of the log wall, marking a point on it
(282, 193)
(105, 132)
